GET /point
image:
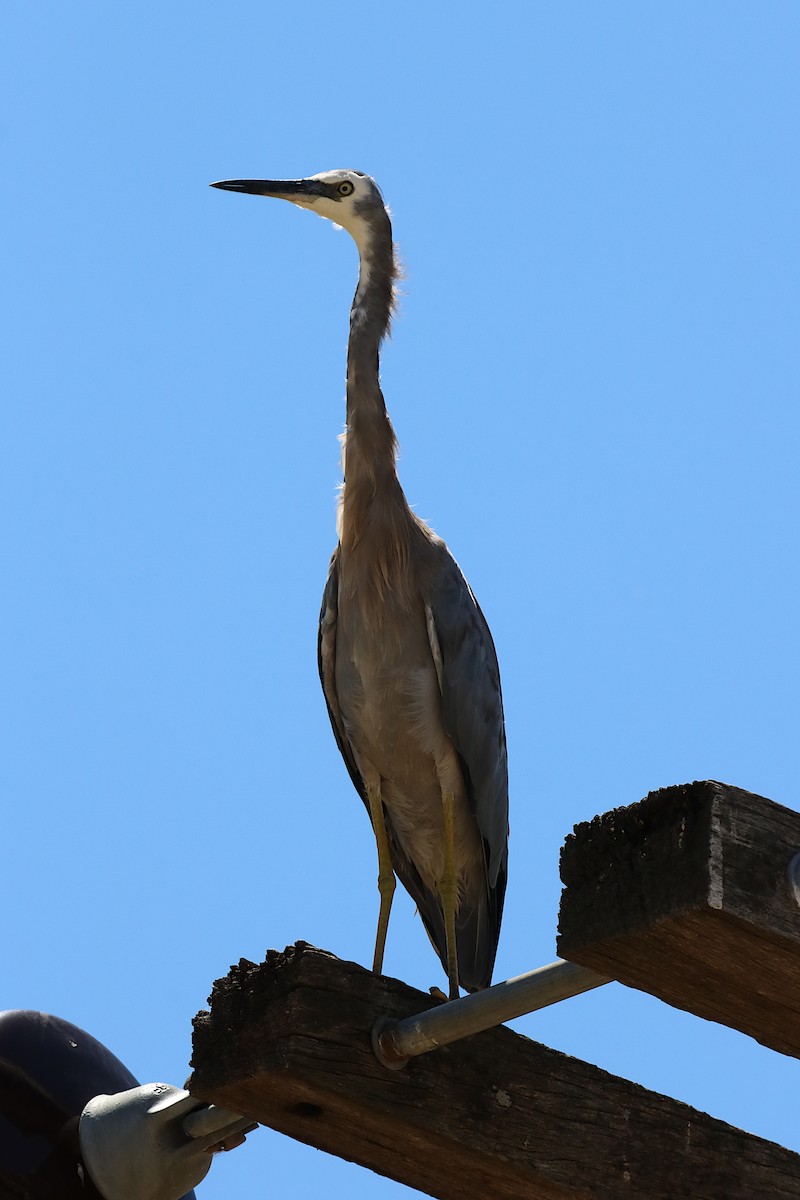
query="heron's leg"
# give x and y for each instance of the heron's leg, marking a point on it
(386, 881)
(448, 893)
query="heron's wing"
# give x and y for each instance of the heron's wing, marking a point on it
(472, 703)
(326, 660)
(472, 713)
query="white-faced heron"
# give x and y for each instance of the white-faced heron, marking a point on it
(406, 658)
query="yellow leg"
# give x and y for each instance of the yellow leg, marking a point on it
(386, 881)
(448, 894)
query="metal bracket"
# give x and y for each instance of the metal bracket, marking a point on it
(154, 1142)
(395, 1041)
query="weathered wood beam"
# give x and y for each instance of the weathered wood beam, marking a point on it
(287, 1043)
(686, 895)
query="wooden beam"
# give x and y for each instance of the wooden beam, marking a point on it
(287, 1043)
(686, 895)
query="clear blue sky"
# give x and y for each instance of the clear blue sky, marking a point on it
(594, 378)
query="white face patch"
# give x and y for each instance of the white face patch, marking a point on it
(343, 213)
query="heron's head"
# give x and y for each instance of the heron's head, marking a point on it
(350, 198)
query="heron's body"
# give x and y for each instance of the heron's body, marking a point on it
(378, 667)
(406, 659)
(392, 721)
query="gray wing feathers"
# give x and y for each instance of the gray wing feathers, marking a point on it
(472, 711)
(472, 705)
(326, 661)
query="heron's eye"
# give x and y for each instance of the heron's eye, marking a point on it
(345, 188)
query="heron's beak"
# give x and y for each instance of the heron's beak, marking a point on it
(297, 190)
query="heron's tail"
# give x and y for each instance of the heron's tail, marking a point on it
(477, 930)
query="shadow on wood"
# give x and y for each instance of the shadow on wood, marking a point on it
(287, 1043)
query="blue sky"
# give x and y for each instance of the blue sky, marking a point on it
(594, 379)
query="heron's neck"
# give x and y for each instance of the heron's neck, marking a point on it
(369, 323)
(370, 447)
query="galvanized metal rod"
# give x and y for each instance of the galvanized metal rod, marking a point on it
(395, 1041)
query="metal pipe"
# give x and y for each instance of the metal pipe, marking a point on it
(395, 1041)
